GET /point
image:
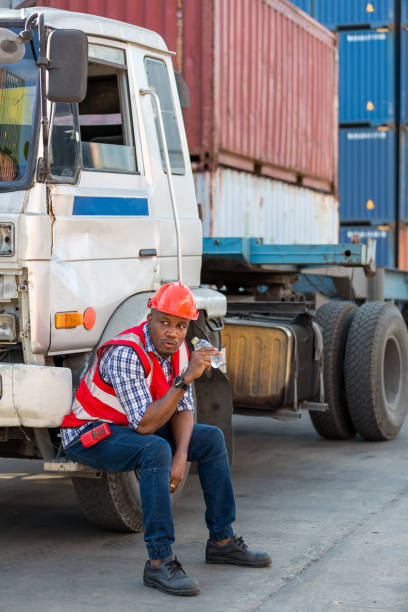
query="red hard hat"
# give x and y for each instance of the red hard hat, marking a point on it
(175, 299)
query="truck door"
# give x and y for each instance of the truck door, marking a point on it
(155, 73)
(105, 230)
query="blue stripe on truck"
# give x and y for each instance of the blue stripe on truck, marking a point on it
(110, 206)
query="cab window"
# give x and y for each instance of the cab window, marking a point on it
(158, 80)
(64, 139)
(106, 129)
(18, 91)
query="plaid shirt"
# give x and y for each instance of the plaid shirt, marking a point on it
(120, 367)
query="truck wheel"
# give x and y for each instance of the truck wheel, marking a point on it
(375, 370)
(113, 501)
(334, 319)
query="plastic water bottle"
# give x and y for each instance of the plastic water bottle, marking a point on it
(216, 360)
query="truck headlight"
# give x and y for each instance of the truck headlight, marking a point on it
(6, 239)
(7, 328)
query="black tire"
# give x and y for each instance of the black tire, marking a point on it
(113, 501)
(334, 319)
(376, 365)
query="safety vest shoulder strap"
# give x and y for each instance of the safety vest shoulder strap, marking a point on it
(134, 338)
(183, 357)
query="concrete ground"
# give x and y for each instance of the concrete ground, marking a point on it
(332, 514)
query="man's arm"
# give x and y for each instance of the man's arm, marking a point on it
(181, 427)
(159, 412)
(122, 368)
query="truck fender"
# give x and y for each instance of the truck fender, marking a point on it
(129, 313)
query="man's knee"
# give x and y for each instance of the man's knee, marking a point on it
(157, 453)
(211, 436)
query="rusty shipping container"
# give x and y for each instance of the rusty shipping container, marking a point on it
(237, 203)
(403, 247)
(262, 77)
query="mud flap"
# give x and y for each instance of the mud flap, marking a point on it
(214, 405)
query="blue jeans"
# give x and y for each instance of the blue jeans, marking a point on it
(127, 450)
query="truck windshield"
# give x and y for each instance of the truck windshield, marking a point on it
(18, 87)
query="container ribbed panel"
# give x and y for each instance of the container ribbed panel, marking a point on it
(403, 182)
(275, 89)
(404, 12)
(367, 66)
(305, 5)
(366, 175)
(404, 76)
(373, 13)
(403, 247)
(241, 204)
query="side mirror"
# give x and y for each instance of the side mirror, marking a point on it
(67, 69)
(182, 89)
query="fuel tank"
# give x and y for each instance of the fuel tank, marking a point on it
(272, 363)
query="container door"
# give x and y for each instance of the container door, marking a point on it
(367, 72)
(105, 231)
(367, 175)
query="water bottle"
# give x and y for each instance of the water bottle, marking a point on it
(216, 360)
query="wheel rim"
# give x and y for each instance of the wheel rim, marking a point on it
(392, 374)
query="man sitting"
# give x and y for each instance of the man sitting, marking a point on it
(140, 383)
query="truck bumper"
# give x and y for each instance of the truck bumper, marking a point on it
(34, 396)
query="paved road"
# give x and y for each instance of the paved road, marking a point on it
(333, 515)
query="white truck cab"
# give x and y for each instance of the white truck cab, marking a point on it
(94, 221)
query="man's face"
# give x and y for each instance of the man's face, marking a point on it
(166, 331)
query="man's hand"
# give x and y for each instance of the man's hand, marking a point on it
(178, 467)
(200, 360)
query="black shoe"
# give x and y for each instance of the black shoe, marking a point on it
(236, 552)
(170, 577)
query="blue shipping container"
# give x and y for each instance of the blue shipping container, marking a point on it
(404, 75)
(305, 5)
(404, 12)
(367, 64)
(403, 183)
(335, 13)
(367, 175)
(383, 234)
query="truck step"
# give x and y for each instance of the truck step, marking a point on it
(315, 406)
(71, 468)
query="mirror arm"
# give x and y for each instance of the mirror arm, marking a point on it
(26, 34)
(44, 168)
(37, 19)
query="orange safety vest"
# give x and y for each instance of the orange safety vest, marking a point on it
(96, 400)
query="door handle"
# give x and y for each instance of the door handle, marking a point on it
(147, 253)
